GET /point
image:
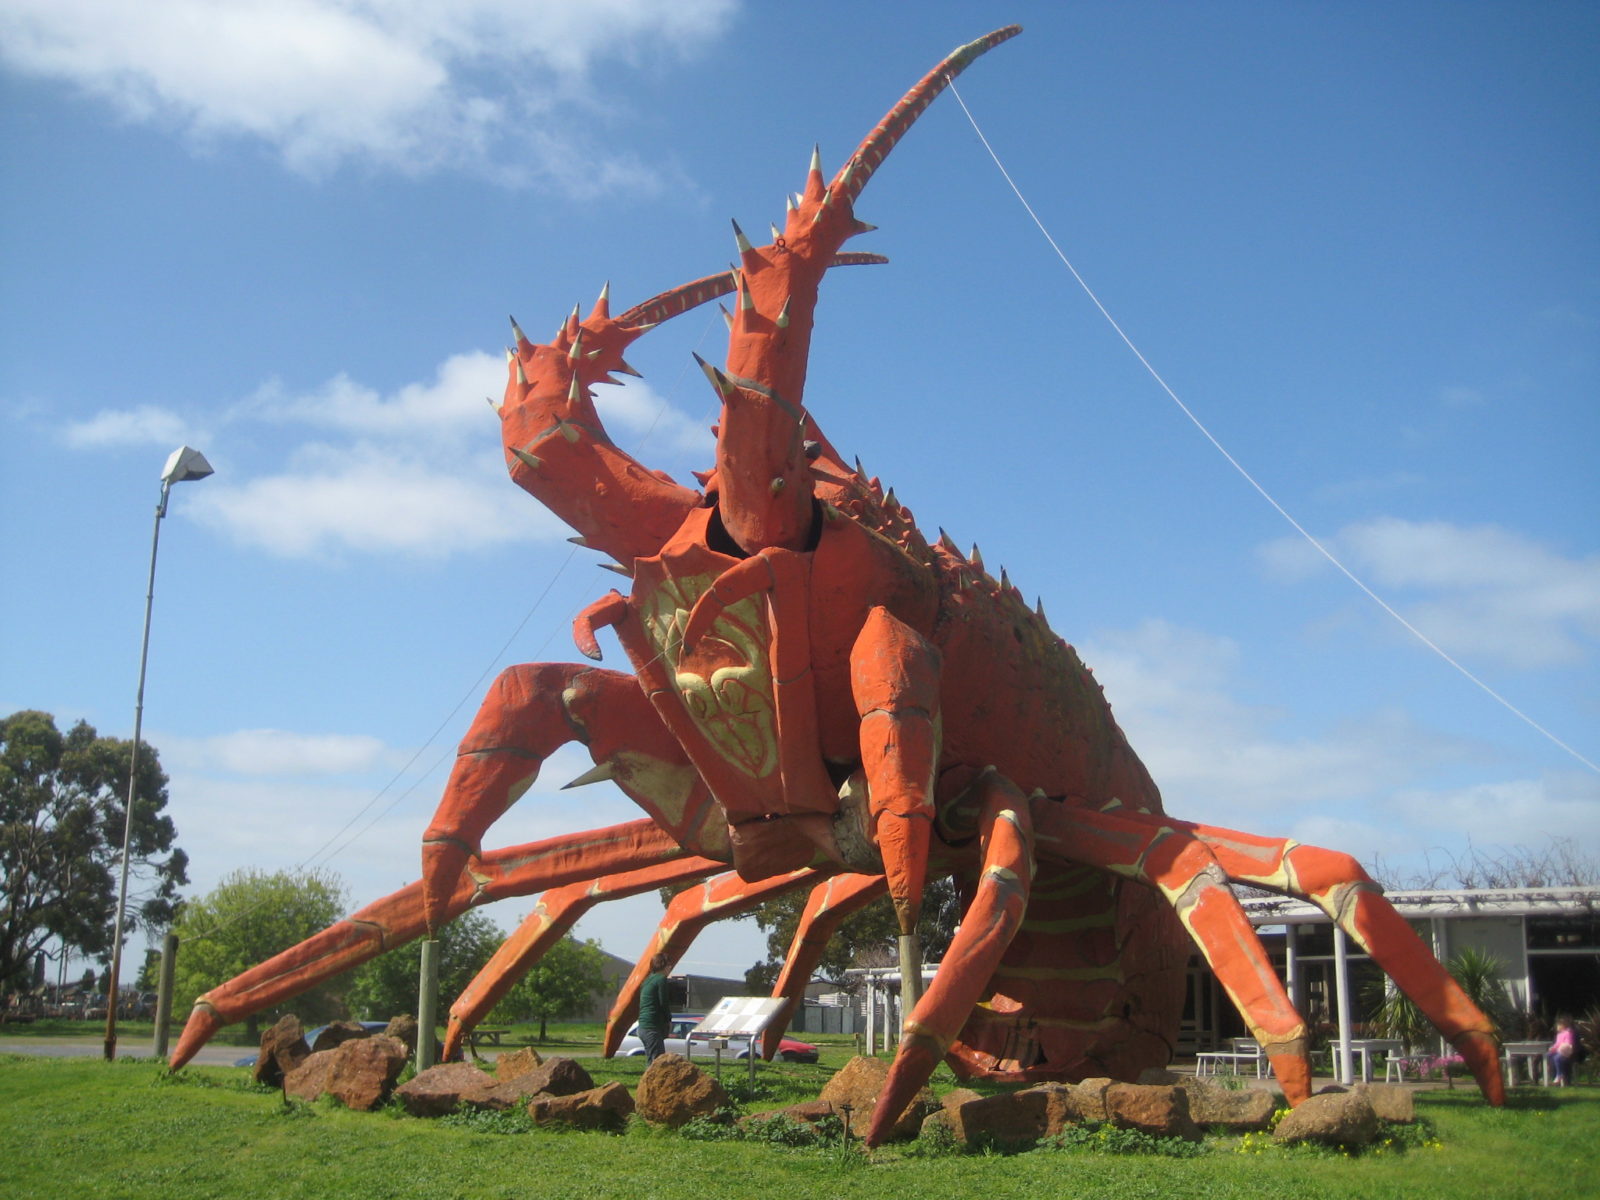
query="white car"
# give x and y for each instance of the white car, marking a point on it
(789, 1050)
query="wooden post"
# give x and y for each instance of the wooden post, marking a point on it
(427, 1005)
(169, 964)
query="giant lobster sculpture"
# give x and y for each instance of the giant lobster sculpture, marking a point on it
(822, 699)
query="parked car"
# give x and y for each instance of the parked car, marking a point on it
(789, 1049)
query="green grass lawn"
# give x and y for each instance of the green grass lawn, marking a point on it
(89, 1129)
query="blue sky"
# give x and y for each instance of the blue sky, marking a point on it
(1358, 240)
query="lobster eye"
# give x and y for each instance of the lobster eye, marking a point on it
(812, 450)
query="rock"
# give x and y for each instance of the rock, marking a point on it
(518, 1062)
(1010, 1120)
(1065, 1105)
(444, 1088)
(860, 1082)
(558, 1077)
(338, 1034)
(605, 1108)
(307, 1081)
(673, 1091)
(1159, 1076)
(1242, 1111)
(1238, 1110)
(1088, 1100)
(283, 1048)
(1389, 1102)
(1160, 1111)
(1333, 1118)
(363, 1071)
(403, 1027)
(956, 1097)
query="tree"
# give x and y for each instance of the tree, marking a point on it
(865, 938)
(566, 979)
(246, 919)
(62, 800)
(389, 984)
(1560, 862)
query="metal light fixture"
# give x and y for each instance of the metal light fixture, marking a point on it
(184, 464)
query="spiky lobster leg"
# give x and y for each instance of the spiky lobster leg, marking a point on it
(826, 908)
(555, 913)
(398, 918)
(1335, 883)
(531, 710)
(689, 912)
(894, 677)
(990, 922)
(1163, 854)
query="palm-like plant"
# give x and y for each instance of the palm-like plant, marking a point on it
(1480, 975)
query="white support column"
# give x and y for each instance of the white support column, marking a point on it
(1291, 968)
(1341, 980)
(872, 1014)
(1441, 951)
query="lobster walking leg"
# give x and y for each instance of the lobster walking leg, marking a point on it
(894, 677)
(1335, 883)
(557, 911)
(1183, 868)
(826, 908)
(398, 918)
(530, 711)
(990, 922)
(690, 912)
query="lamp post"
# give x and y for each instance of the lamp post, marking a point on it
(183, 465)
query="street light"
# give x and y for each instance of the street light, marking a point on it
(183, 465)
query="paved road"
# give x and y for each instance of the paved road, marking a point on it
(211, 1056)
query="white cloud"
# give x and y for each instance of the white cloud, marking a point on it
(415, 86)
(1222, 761)
(418, 471)
(1480, 592)
(144, 426)
(1519, 811)
(278, 752)
(371, 499)
(452, 405)
(636, 415)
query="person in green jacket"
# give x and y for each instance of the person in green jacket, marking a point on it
(655, 1009)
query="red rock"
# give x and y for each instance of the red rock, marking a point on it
(517, 1062)
(859, 1084)
(1331, 1118)
(307, 1081)
(606, 1108)
(444, 1088)
(673, 1091)
(1151, 1108)
(283, 1048)
(363, 1071)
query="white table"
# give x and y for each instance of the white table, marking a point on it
(1245, 1050)
(1532, 1053)
(1364, 1048)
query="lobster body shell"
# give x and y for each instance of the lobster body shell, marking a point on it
(1093, 982)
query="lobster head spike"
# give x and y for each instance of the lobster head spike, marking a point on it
(766, 442)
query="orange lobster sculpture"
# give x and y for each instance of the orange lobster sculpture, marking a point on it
(824, 700)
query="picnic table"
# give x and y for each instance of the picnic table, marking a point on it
(492, 1036)
(1244, 1051)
